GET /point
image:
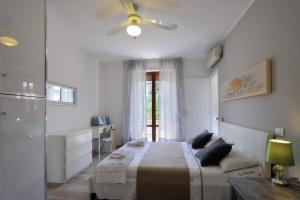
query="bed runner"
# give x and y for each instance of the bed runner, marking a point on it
(163, 173)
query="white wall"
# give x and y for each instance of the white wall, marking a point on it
(214, 101)
(196, 86)
(194, 71)
(100, 84)
(196, 105)
(69, 65)
(101, 91)
(269, 29)
(113, 94)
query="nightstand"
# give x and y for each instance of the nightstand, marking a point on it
(262, 189)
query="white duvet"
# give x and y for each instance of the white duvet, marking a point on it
(113, 169)
(206, 183)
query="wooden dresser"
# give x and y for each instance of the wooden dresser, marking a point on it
(68, 153)
(263, 189)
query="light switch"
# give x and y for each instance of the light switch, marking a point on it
(279, 132)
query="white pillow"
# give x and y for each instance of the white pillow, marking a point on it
(247, 172)
(237, 160)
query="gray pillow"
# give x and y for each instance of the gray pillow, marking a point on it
(213, 154)
(201, 140)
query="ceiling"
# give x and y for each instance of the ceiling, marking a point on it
(201, 24)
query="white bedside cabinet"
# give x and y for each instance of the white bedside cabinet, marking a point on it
(68, 153)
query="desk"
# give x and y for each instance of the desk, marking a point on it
(98, 130)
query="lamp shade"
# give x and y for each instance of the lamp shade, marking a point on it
(280, 152)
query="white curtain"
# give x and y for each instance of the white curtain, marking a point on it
(134, 124)
(171, 99)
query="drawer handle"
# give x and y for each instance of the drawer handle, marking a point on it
(3, 113)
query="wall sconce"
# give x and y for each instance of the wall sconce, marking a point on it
(7, 39)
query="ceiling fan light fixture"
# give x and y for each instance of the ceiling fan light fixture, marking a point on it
(134, 30)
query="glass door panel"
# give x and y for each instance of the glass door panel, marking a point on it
(152, 105)
(149, 109)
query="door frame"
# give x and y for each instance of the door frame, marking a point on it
(212, 75)
(153, 77)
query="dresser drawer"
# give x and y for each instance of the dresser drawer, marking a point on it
(77, 153)
(78, 165)
(78, 140)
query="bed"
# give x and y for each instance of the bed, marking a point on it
(205, 183)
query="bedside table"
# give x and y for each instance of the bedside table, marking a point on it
(262, 189)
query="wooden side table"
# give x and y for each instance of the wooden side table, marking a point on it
(262, 189)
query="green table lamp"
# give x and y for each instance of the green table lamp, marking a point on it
(280, 153)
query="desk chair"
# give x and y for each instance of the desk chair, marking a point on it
(106, 140)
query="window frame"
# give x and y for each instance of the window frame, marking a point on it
(153, 76)
(74, 103)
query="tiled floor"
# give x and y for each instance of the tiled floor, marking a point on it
(76, 188)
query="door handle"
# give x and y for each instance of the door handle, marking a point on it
(3, 113)
(219, 119)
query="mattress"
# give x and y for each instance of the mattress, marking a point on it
(204, 181)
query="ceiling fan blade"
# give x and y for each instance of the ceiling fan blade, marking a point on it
(161, 5)
(117, 29)
(128, 6)
(159, 24)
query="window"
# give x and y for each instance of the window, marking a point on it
(152, 111)
(61, 94)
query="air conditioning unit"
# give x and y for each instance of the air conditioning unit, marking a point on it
(214, 56)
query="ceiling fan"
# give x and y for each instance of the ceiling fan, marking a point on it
(133, 22)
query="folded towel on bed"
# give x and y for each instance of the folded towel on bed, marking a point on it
(113, 169)
(136, 143)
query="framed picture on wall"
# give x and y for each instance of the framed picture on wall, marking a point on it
(252, 82)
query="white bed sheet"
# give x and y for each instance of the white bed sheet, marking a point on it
(123, 191)
(212, 179)
(214, 182)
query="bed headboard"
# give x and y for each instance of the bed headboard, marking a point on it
(251, 140)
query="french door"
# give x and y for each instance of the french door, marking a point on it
(152, 109)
